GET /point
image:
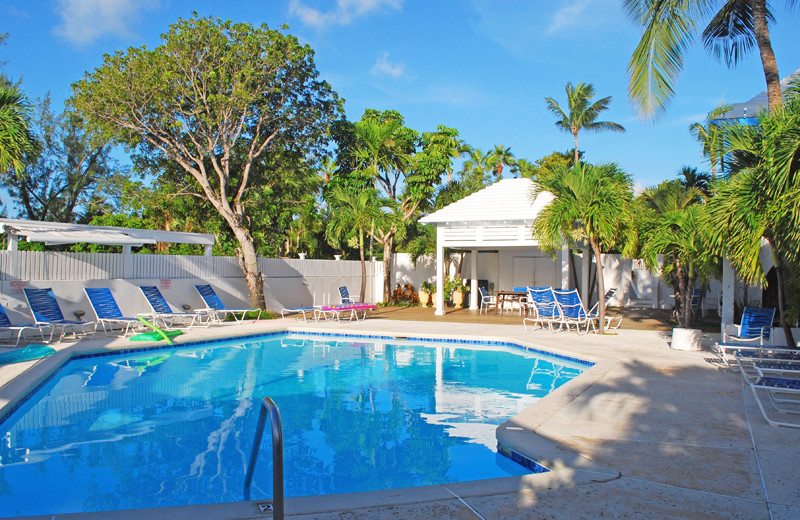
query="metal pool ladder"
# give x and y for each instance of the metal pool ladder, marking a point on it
(269, 406)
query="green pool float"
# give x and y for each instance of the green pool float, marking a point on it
(28, 353)
(157, 334)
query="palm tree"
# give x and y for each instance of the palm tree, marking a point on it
(498, 157)
(591, 204)
(670, 27)
(672, 227)
(709, 135)
(352, 214)
(697, 180)
(15, 136)
(581, 113)
(759, 202)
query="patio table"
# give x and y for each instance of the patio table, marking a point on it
(507, 296)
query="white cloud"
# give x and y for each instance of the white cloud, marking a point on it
(84, 21)
(569, 15)
(384, 67)
(346, 11)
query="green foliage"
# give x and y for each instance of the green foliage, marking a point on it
(69, 175)
(669, 27)
(759, 201)
(500, 156)
(710, 137)
(671, 224)
(16, 139)
(590, 204)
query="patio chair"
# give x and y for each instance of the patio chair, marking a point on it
(107, 311)
(612, 322)
(345, 298)
(162, 311)
(543, 308)
(571, 310)
(708, 304)
(46, 312)
(220, 311)
(783, 394)
(487, 302)
(17, 329)
(756, 327)
(519, 304)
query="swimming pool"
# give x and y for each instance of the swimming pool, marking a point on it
(175, 426)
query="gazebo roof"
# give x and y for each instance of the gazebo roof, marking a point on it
(52, 233)
(506, 201)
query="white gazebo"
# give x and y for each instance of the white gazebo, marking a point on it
(498, 217)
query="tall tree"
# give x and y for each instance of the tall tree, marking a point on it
(671, 226)
(581, 113)
(15, 136)
(591, 204)
(217, 98)
(709, 135)
(670, 27)
(353, 214)
(70, 176)
(500, 156)
(445, 142)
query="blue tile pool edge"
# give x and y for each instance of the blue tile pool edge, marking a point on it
(527, 463)
(13, 408)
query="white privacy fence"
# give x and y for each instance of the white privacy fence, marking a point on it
(287, 282)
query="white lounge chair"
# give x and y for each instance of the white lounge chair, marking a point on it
(784, 396)
(219, 310)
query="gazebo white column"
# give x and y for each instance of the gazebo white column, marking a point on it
(473, 273)
(439, 274)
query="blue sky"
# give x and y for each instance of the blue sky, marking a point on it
(481, 66)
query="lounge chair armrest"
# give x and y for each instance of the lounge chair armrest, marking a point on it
(730, 329)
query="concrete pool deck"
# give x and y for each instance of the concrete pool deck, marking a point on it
(646, 432)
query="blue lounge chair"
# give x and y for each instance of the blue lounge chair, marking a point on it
(345, 298)
(107, 311)
(213, 302)
(571, 310)
(18, 329)
(164, 313)
(784, 394)
(543, 307)
(756, 327)
(46, 312)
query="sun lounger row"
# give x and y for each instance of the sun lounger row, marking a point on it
(49, 322)
(559, 309)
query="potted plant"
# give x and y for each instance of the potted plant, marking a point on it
(457, 289)
(425, 291)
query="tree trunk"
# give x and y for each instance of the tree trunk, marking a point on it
(601, 288)
(575, 135)
(388, 245)
(768, 62)
(248, 261)
(787, 330)
(363, 291)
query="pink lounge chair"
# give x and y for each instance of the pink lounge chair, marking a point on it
(328, 312)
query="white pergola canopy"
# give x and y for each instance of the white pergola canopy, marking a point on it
(498, 216)
(58, 233)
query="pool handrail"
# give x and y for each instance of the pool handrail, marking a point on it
(268, 406)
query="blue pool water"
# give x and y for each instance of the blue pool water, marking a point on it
(175, 426)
